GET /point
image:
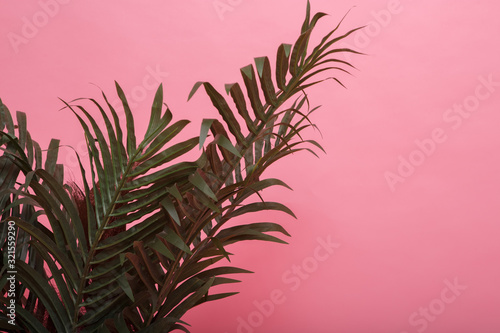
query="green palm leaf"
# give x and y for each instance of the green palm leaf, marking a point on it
(141, 243)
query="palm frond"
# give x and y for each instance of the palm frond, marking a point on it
(143, 239)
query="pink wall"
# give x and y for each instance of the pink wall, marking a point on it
(407, 196)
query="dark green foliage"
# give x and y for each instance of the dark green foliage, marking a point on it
(142, 240)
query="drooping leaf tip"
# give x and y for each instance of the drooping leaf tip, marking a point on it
(195, 89)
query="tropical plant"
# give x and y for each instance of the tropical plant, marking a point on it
(140, 242)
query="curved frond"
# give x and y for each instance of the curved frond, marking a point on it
(143, 239)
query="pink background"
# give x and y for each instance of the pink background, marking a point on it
(397, 247)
